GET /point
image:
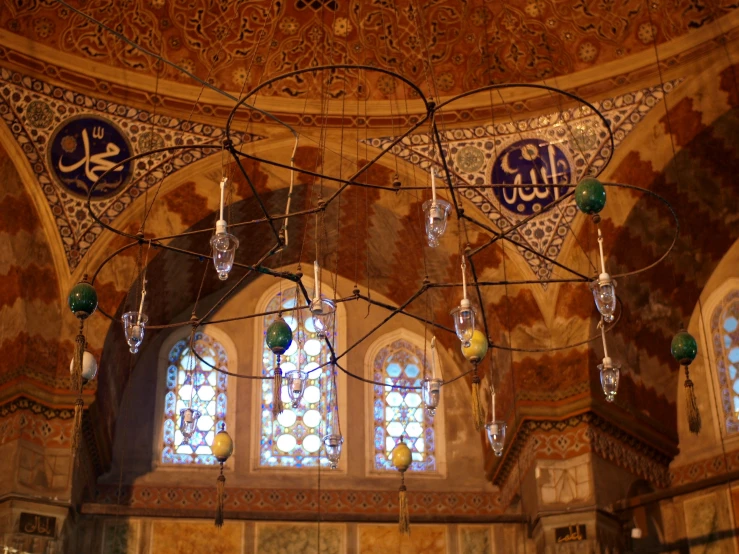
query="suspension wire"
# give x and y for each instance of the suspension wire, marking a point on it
(513, 384)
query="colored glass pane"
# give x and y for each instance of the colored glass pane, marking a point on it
(399, 413)
(192, 384)
(725, 337)
(293, 439)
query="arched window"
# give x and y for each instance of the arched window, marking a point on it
(192, 384)
(294, 438)
(725, 338)
(400, 412)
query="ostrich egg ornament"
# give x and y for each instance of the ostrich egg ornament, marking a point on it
(89, 366)
(401, 457)
(279, 336)
(590, 196)
(684, 348)
(223, 446)
(477, 348)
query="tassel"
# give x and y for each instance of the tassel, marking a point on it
(694, 415)
(79, 354)
(277, 391)
(404, 520)
(478, 416)
(220, 494)
(79, 406)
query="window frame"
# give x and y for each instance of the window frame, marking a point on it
(711, 311)
(256, 395)
(169, 342)
(439, 424)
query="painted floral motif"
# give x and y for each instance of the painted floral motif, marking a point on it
(520, 40)
(44, 107)
(342, 27)
(39, 114)
(582, 139)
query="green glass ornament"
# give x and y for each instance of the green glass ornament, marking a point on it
(590, 196)
(684, 348)
(83, 300)
(279, 336)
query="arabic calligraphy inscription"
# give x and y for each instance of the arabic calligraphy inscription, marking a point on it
(571, 533)
(530, 161)
(83, 149)
(34, 524)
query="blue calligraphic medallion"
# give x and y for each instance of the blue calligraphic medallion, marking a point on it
(82, 149)
(530, 161)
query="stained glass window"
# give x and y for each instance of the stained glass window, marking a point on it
(192, 384)
(400, 412)
(725, 330)
(294, 438)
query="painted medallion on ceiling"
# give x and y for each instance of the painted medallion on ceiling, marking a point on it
(71, 141)
(558, 148)
(84, 157)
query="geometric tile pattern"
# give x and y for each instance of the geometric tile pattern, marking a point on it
(705, 468)
(576, 132)
(33, 109)
(349, 504)
(28, 420)
(574, 436)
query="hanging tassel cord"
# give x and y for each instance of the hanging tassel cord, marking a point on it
(277, 390)
(694, 415)
(220, 498)
(478, 415)
(79, 409)
(79, 356)
(404, 520)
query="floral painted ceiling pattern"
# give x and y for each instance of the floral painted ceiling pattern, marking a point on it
(237, 44)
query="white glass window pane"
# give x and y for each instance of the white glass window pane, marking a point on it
(287, 418)
(312, 443)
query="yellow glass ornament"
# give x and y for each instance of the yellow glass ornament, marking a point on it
(478, 347)
(223, 446)
(401, 457)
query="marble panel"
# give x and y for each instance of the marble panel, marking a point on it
(424, 539)
(187, 537)
(300, 538)
(121, 536)
(475, 540)
(707, 523)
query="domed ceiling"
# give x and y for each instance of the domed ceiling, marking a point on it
(235, 45)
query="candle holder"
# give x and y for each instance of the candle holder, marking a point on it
(134, 324)
(431, 392)
(296, 385)
(188, 423)
(496, 436)
(333, 443)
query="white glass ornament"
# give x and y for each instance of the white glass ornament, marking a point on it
(134, 324)
(188, 422)
(295, 385)
(496, 436)
(89, 366)
(224, 247)
(323, 311)
(431, 392)
(333, 444)
(610, 374)
(604, 292)
(436, 213)
(464, 321)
